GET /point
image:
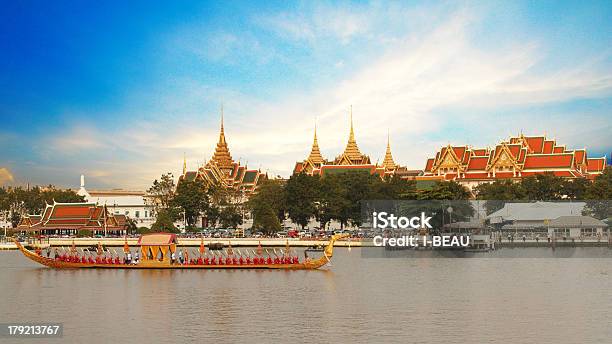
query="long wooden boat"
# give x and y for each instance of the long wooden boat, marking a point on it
(154, 245)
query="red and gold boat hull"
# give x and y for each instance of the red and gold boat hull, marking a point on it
(154, 264)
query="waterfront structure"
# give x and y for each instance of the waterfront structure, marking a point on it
(132, 204)
(71, 218)
(222, 170)
(518, 157)
(351, 159)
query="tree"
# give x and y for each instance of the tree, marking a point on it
(543, 187)
(599, 196)
(191, 198)
(301, 193)
(269, 199)
(164, 221)
(497, 193)
(162, 191)
(575, 189)
(266, 220)
(230, 216)
(447, 191)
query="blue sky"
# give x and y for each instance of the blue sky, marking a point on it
(119, 92)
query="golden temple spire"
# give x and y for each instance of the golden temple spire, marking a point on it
(315, 153)
(222, 157)
(388, 162)
(184, 164)
(351, 150)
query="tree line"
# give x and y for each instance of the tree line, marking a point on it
(189, 200)
(547, 187)
(18, 201)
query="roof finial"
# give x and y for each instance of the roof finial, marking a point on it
(221, 117)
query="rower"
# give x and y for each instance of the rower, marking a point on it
(241, 260)
(269, 260)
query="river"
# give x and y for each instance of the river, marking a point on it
(359, 299)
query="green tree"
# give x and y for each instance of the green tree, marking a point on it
(599, 196)
(301, 193)
(575, 189)
(164, 221)
(496, 194)
(543, 187)
(230, 216)
(162, 191)
(266, 219)
(269, 199)
(191, 198)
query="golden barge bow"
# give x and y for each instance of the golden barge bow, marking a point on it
(166, 264)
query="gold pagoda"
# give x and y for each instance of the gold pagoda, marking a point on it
(222, 170)
(351, 159)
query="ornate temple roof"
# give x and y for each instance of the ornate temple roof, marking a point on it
(222, 157)
(315, 153)
(352, 150)
(388, 162)
(520, 156)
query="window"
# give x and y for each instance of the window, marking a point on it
(137, 214)
(588, 232)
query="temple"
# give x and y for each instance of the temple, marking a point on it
(518, 157)
(72, 218)
(222, 170)
(351, 159)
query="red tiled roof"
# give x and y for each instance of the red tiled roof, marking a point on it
(596, 164)
(536, 143)
(548, 161)
(429, 165)
(559, 149)
(450, 176)
(480, 152)
(476, 175)
(548, 147)
(515, 150)
(478, 163)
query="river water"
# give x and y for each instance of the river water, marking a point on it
(364, 300)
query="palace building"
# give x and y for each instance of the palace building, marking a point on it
(518, 157)
(71, 218)
(222, 170)
(351, 159)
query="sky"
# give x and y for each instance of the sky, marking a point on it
(121, 91)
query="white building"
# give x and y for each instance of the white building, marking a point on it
(133, 204)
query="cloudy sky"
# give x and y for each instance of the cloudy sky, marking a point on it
(120, 93)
